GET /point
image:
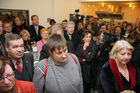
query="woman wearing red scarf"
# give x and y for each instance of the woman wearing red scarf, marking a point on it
(119, 75)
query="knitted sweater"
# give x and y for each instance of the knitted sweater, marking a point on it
(61, 77)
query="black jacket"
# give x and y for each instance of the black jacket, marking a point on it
(108, 82)
(33, 33)
(18, 29)
(28, 68)
(76, 38)
(95, 28)
(2, 42)
(136, 53)
(88, 54)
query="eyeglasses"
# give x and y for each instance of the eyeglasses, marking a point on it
(9, 76)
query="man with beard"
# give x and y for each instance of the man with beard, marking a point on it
(23, 63)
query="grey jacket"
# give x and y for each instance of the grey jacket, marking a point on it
(61, 77)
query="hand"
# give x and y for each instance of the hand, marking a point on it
(128, 91)
(86, 44)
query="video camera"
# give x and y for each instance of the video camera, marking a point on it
(76, 17)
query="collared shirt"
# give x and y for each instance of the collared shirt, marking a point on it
(8, 33)
(36, 29)
(70, 37)
(21, 63)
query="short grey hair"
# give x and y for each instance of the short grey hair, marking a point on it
(56, 27)
(10, 37)
(56, 41)
(70, 22)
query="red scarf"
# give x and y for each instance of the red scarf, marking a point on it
(117, 75)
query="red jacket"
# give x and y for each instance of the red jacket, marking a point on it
(24, 87)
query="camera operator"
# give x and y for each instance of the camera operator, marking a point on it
(77, 18)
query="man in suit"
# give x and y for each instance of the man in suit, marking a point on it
(35, 28)
(23, 63)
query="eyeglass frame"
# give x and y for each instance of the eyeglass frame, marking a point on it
(9, 76)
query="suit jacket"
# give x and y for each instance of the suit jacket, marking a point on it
(28, 68)
(33, 33)
(76, 38)
(24, 87)
(2, 41)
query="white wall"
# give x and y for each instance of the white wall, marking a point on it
(57, 9)
(62, 9)
(131, 15)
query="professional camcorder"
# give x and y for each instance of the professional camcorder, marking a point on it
(76, 17)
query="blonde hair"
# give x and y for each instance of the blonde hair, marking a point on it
(119, 45)
(43, 29)
(23, 32)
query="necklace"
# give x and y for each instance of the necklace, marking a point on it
(124, 72)
(126, 75)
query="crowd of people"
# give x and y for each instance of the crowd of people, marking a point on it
(96, 56)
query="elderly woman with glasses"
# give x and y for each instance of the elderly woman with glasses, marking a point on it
(120, 75)
(8, 83)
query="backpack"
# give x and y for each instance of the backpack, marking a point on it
(46, 69)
